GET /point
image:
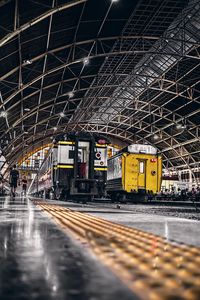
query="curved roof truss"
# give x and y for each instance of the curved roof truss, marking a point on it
(136, 82)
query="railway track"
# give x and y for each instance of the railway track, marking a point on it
(150, 266)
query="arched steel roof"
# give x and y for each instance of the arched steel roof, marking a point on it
(126, 68)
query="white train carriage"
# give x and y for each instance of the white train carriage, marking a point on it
(75, 168)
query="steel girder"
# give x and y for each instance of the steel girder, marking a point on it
(40, 18)
(94, 128)
(102, 84)
(106, 112)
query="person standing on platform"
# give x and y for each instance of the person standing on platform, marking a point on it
(14, 177)
(24, 185)
(1, 185)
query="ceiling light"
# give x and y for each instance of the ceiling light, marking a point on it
(55, 128)
(86, 61)
(156, 137)
(115, 1)
(3, 114)
(27, 109)
(27, 62)
(180, 126)
(62, 115)
(71, 94)
(25, 132)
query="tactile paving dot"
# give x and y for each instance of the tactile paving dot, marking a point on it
(153, 268)
(192, 293)
(163, 294)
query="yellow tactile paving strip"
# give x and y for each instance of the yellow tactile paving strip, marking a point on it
(150, 266)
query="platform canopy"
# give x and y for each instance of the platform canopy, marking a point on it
(126, 68)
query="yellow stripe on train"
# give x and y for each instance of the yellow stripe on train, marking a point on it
(66, 143)
(65, 167)
(71, 167)
(100, 169)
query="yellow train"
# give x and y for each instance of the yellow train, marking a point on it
(134, 173)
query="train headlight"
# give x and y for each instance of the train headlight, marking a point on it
(153, 173)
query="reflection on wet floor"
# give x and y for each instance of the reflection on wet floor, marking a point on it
(150, 266)
(38, 261)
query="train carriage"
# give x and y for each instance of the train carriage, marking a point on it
(75, 168)
(134, 173)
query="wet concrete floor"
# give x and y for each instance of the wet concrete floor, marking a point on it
(39, 261)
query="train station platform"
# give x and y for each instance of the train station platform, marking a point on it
(180, 224)
(56, 250)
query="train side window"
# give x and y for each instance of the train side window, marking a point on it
(141, 167)
(71, 154)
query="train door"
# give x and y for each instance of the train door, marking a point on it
(83, 159)
(141, 174)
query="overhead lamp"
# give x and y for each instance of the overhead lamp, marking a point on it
(156, 137)
(114, 1)
(180, 126)
(62, 115)
(71, 94)
(27, 109)
(27, 62)
(86, 61)
(55, 128)
(25, 132)
(3, 114)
